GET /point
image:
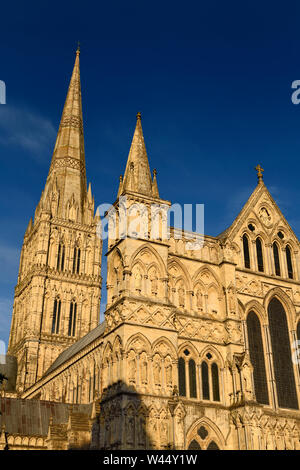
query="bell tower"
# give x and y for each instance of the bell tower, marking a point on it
(57, 296)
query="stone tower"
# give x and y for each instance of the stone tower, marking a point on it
(57, 297)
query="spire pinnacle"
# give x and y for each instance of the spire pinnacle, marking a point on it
(67, 169)
(137, 176)
(155, 192)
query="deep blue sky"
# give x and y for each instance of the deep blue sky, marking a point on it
(213, 83)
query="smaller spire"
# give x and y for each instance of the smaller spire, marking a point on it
(137, 176)
(89, 194)
(120, 186)
(29, 227)
(260, 171)
(155, 192)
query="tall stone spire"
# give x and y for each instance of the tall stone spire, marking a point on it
(137, 177)
(57, 298)
(67, 171)
(69, 141)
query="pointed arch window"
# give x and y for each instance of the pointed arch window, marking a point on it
(192, 377)
(282, 360)
(60, 257)
(72, 318)
(215, 382)
(257, 357)
(289, 262)
(194, 445)
(259, 254)
(76, 260)
(276, 259)
(213, 446)
(181, 377)
(205, 381)
(246, 252)
(56, 316)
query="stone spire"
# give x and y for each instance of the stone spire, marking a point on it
(137, 177)
(69, 141)
(67, 174)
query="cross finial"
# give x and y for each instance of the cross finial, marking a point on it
(139, 115)
(260, 171)
(78, 48)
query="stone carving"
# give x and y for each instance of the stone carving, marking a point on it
(265, 217)
(144, 371)
(199, 298)
(132, 369)
(157, 372)
(169, 378)
(181, 295)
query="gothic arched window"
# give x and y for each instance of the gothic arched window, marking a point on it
(76, 260)
(72, 318)
(246, 252)
(289, 262)
(194, 445)
(283, 366)
(181, 377)
(56, 316)
(276, 259)
(212, 446)
(259, 254)
(192, 377)
(60, 257)
(205, 381)
(215, 382)
(257, 357)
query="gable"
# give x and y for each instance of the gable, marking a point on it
(262, 217)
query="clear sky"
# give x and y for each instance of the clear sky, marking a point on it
(212, 80)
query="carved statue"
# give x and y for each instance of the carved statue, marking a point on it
(169, 375)
(179, 431)
(153, 281)
(142, 430)
(163, 432)
(181, 293)
(130, 429)
(246, 374)
(138, 280)
(265, 216)
(157, 373)
(132, 369)
(199, 299)
(144, 372)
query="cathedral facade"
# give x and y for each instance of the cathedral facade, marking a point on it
(198, 349)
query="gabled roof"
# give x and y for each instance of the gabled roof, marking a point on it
(256, 195)
(31, 417)
(77, 347)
